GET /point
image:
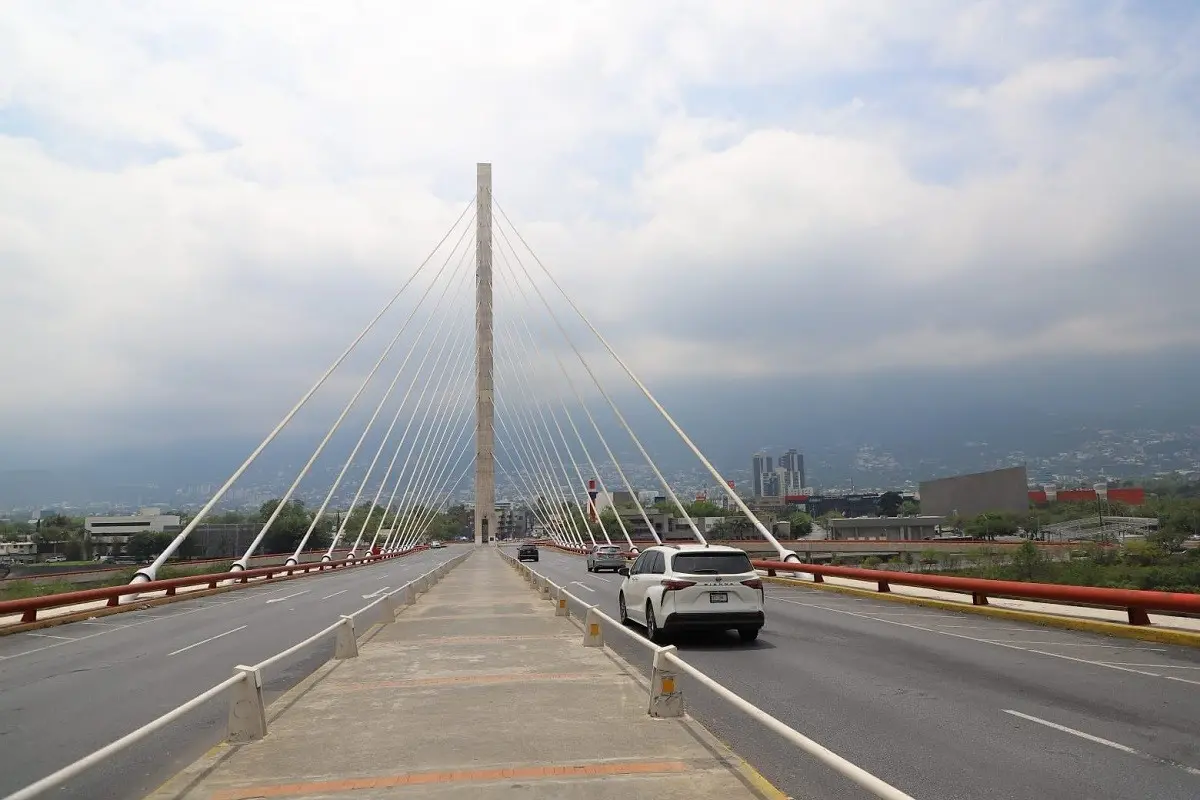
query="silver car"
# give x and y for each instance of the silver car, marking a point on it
(605, 556)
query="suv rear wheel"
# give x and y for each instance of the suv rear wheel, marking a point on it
(748, 634)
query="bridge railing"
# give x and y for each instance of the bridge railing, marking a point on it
(247, 709)
(666, 697)
(28, 607)
(1137, 603)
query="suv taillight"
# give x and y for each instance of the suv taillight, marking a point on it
(674, 584)
(753, 583)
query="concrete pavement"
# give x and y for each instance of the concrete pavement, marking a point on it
(66, 691)
(943, 705)
(478, 691)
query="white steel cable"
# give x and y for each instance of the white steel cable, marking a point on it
(595, 427)
(419, 488)
(582, 444)
(439, 382)
(434, 313)
(523, 383)
(432, 447)
(423, 436)
(546, 523)
(148, 574)
(785, 554)
(534, 491)
(450, 493)
(378, 408)
(620, 417)
(428, 506)
(241, 563)
(383, 484)
(516, 434)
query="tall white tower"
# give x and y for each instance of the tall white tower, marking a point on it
(485, 438)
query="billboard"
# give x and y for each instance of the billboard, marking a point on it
(974, 494)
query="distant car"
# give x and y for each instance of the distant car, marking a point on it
(693, 587)
(605, 556)
(436, 545)
(527, 552)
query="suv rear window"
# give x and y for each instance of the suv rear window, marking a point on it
(711, 563)
(608, 549)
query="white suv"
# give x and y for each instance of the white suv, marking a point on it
(693, 587)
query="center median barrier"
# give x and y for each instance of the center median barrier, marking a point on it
(247, 719)
(665, 695)
(28, 607)
(1137, 603)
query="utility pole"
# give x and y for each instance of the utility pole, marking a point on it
(485, 466)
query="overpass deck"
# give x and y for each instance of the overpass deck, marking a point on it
(475, 692)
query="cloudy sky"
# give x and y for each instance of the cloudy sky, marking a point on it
(202, 202)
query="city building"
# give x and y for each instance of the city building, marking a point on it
(895, 529)
(972, 495)
(111, 534)
(761, 464)
(792, 462)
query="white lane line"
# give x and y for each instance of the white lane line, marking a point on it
(1159, 666)
(52, 636)
(375, 593)
(286, 597)
(206, 641)
(1182, 680)
(241, 598)
(1073, 644)
(606, 580)
(1099, 740)
(582, 586)
(973, 638)
(335, 594)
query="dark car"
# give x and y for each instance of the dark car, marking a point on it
(527, 552)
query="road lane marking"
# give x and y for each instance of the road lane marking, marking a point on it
(606, 580)
(240, 598)
(1159, 666)
(335, 594)
(977, 639)
(1106, 742)
(286, 597)
(206, 641)
(1073, 644)
(51, 636)
(582, 586)
(375, 593)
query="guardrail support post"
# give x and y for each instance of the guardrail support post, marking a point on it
(390, 607)
(545, 583)
(561, 609)
(593, 631)
(347, 641)
(978, 599)
(883, 586)
(666, 699)
(1138, 616)
(247, 711)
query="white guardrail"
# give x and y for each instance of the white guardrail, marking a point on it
(247, 709)
(666, 698)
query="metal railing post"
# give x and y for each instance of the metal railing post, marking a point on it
(593, 631)
(247, 711)
(666, 698)
(347, 640)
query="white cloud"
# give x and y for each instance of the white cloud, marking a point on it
(197, 192)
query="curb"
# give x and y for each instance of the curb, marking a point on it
(1141, 632)
(142, 605)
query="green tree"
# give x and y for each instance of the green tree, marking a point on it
(705, 508)
(1028, 561)
(147, 545)
(802, 523)
(910, 508)
(991, 524)
(889, 504)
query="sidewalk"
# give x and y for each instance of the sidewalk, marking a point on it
(478, 691)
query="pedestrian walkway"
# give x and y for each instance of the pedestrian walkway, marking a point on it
(477, 691)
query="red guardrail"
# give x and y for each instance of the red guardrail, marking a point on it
(182, 562)
(1136, 602)
(28, 607)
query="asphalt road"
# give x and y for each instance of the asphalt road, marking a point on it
(66, 691)
(942, 705)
